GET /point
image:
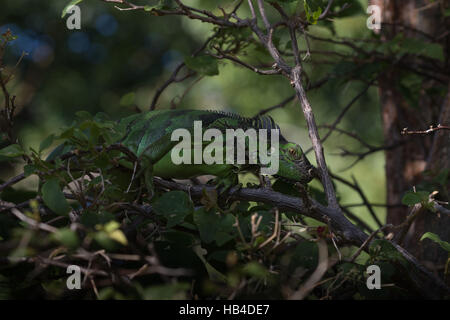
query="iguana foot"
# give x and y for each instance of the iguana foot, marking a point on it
(264, 182)
(303, 194)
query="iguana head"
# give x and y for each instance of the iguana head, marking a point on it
(293, 164)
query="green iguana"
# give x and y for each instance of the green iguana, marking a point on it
(148, 137)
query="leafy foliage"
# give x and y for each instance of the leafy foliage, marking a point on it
(434, 237)
(89, 209)
(98, 208)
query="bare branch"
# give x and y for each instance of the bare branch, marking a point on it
(344, 111)
(252, 9)
(429, 284)
(173, 78)
(364, 245)
(183, 10)
(432, 129)
(282, 104)
(262, 11)
(341, 225)
(355, 186)
(315, 139)
(321, 269)
(223, 55)
(359, 222)
(441, 209)
(32, 222)
(12, 181)
(327, 9)
(168, 82)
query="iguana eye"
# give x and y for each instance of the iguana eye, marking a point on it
(293, 153)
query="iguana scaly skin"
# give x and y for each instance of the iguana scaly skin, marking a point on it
(148, 137)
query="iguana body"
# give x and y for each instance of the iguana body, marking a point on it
(148, 137)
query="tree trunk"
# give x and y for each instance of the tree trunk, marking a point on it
(407, 165)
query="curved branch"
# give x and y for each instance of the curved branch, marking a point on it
(327, 9)
(430, 285)
(339, 223)
(315, 139)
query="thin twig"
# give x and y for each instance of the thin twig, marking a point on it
(432, 129)
(368, 240)
(32, 222)
(355, 186)
(322, 267)
(344, 111)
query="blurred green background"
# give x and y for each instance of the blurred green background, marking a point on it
(117, 60)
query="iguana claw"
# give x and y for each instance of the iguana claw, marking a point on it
(264, 182)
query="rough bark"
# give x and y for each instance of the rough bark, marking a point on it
(406, 165)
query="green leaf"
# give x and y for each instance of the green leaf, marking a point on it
(46, 143)
(411, 198)
(255, 269)
(313, 10)
(83, 115)
(90, 218)
(59, 151)
(150, 8)
(12, 151)
(127, 99)
(111, 226)
(213, 273)
(403, 45)
(205, 65)
(105, 241)
(28, 170)
(172, 291)
(214, 227)
(66, 8)
(174, 206)
(162, 4)
(67, 237)
(434, 237)
(382, 249)
(114, 233)
(416, 46)
(54, 198)
(119, 236)
(281, 1)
